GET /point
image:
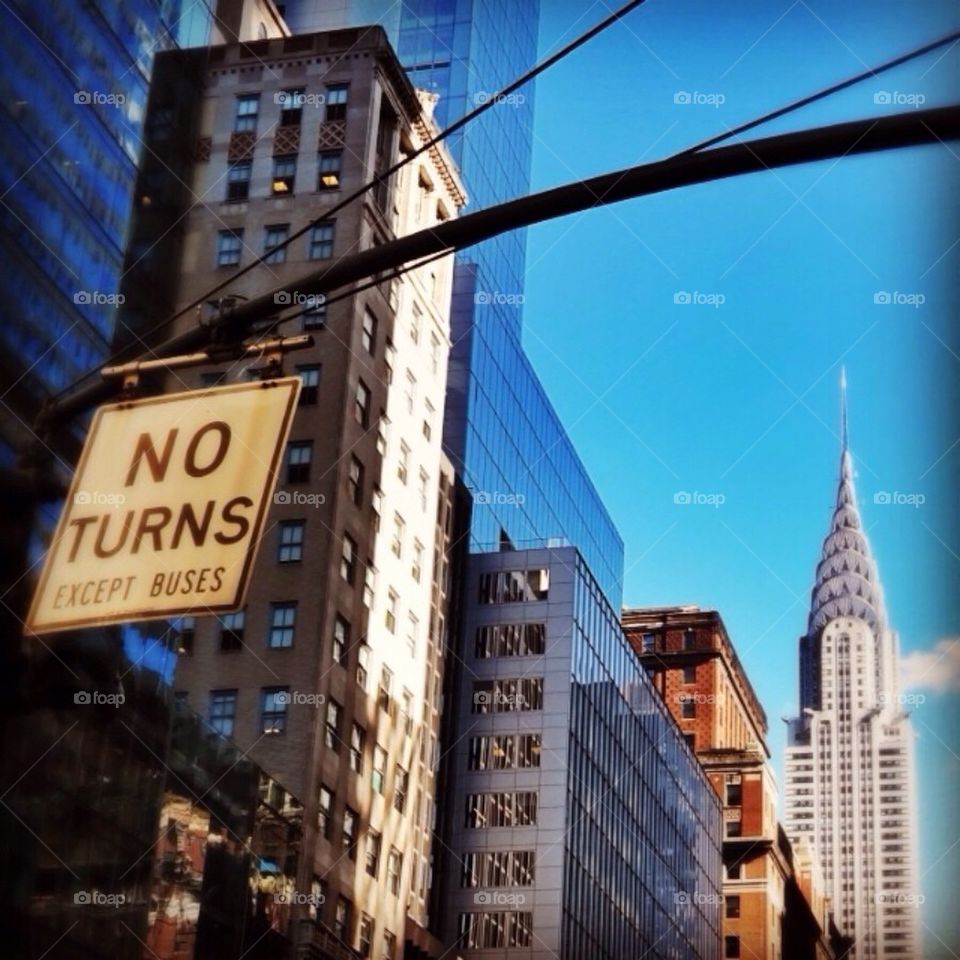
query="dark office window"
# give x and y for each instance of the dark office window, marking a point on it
(336, 102)
(328, 170)
(351, 820)
(355, 481)
(731, 946)
(283, 617)
(290, 544)
(368, 334)
(248, 106)
(321, 242)
(348, 558)
(731, 906)
(291, 106)
(231, 630)
(299, 455)
(690, 674)
(186, 633)
(361, 405)
(229, 246)
(273, 715)
(734, 794)
(284, 175)
(315, 318)
(223, 711)
(325, 811)
(238, 181)
(372, 860)
(309, 385)
(273, 235)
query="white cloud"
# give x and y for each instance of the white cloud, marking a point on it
(937, 669)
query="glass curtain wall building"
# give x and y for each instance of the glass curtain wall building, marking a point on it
(500, 431)
(581, 824)
(72, 97)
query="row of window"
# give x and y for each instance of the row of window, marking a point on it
(283, 179)
(273, 710)
(292, 102)
(499, 929)
(504, 751)
(366, 931)
(510, 640)
(498, 868)
(514, 586)
(508, 695)
(281, 622)
(501, 809)
(319, 243)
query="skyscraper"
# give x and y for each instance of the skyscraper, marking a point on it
(849, 759)
(500, 430)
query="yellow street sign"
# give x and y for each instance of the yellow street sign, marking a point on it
(166, 508)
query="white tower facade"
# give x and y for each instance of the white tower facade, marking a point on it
(849, 783)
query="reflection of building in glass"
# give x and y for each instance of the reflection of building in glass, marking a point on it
(579, 822)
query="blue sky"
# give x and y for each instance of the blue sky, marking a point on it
(736, 395)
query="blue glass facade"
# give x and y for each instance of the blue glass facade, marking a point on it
(72, 97)
(500, 429)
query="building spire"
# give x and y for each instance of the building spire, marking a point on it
(844, 436)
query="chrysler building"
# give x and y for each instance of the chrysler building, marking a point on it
(849, 758)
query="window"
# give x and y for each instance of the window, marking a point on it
(690, 674)
(363, 665)
(378, 775)
(348, 558)
(316, 316)
(498, 868)
(416, 568)
(291, 541)
(403, 466)
(648, 643)
(291, 106)
(416, 322)
(321, 242)
(341, 640)
(368, 334)
(510, 640)
(358, 737)
(389, 945)
(365, 935)
(361, 404)
(504, 928)
(309, 385)
(413, 629)
(369, 584)
(186, 632)
(731, 946)
(423, 488)
(688, 708)
(382, 425)
(342, 919)
(336, 102)
(507, 695)
(386, 688)
(328, 170)
(238, 181)
(355, 481)
(284, 175)
(504, 751)
(501, 810)
(331, 727)
(434, 353)
(372, 857)
(273, 709)
(223, 711)
(731, 906)
(391, 613)
(733, 828)
(248, 106)
(325, 811)
(394, 871)
(689, 641)
(299, 455)
(401, 785)
(514, 586)
(350, 821)
(273, 236)
(406, 713)
(399, 527)
(410, 391)
(734, 794)
(283, 617)
(231, 630)
(734, 870)
(229, 245)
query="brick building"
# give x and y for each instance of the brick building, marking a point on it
(766, 911)
(331, 675)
